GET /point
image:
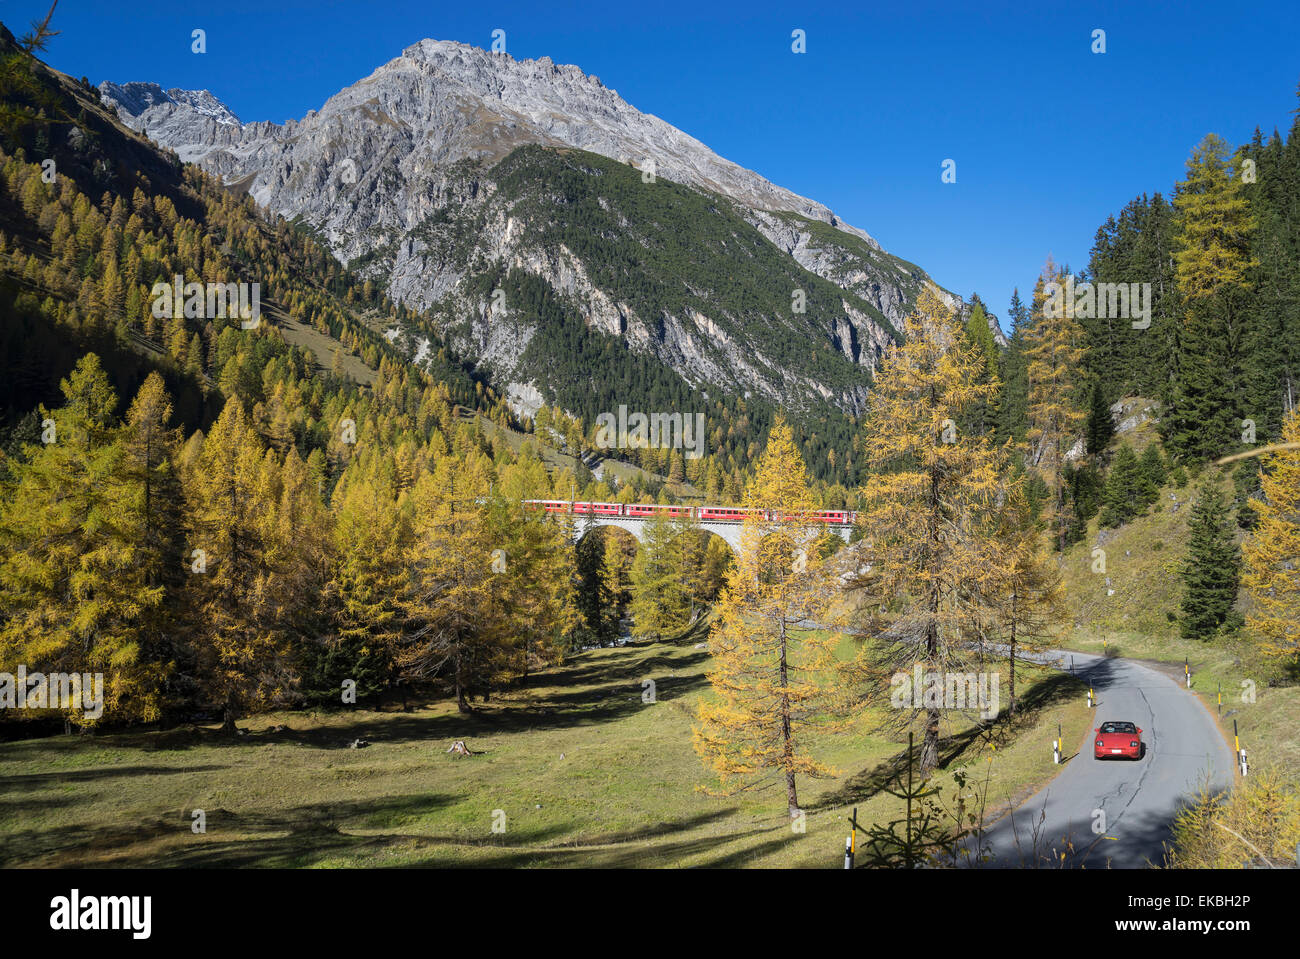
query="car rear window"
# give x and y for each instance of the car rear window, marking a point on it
(1118, 728)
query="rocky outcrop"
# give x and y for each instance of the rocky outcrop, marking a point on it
(395, 173)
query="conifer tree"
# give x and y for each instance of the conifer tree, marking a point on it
(1127, 491)
(1272, 552)
(297, 530)
(660, 605)
(372, 540)
(242, 663)
(1055, 352)
(614, 567)
(539, 600)
(74, 577)
(1101, 425)
(718, 560)
(1246, 485)
(1135, 248)
(689, 549)
(453, 604)
(1272, 384)
(984, 415)
(1152, 466)
(1215, 226)
(156, 514)
(1013, 400)
(1026, 595)
(1211, 567)
(776, 683)
(592, 592)
(929, 507)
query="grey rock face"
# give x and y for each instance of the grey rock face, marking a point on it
(392, 169)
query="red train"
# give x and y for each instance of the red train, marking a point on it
(705, 514)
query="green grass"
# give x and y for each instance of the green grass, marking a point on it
(322, 345)
(586, 774)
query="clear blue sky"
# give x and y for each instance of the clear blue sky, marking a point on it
(1049, 138)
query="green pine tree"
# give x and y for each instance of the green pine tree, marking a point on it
(1211, 568)
(1152, 466)
(1246, 485)
(1205, 402)
(1101, 425)
(1013, 367)
(1125, 494)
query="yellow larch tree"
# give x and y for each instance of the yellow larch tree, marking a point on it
(454, 600)
(1025, 598)
(776, 679)
(372, 540)
(1272, 552)
(930, 512)
(77, 590)
(241, 659)
(538, 566)
(1054, 350)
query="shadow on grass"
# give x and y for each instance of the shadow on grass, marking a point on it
(1052, 690)
(314, 834)
(599, 686)
(629, 850)
(590, 690)
(269, 837)
(630, 663)
(55, 777)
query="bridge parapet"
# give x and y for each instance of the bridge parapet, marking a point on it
(730, 533)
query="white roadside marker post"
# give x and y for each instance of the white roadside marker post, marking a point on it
(851, 841)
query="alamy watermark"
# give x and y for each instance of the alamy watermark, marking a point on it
(1114, 301)
(76, 912)
(84, 691)
(208, 301)
(947, 690)
(660, 430)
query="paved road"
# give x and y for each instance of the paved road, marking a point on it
(1184, 750)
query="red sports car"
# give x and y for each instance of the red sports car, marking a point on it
(1118, 739)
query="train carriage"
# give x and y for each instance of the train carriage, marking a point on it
(704, 514)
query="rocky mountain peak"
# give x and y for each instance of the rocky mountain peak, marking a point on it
(136, 97)
(400, 173)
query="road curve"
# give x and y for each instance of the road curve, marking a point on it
(1184, 751)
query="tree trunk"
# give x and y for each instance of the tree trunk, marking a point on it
(228, 723)
(1011, 656)
(1011, 666)
(792, 797)
(462, 704)
(930, 743)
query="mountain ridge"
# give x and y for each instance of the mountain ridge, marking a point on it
(411, 151)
